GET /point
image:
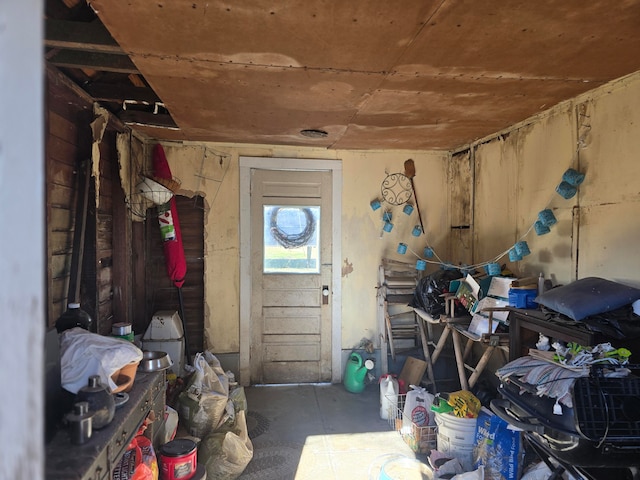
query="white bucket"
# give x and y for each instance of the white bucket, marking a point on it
(456, 437)
(388, 397)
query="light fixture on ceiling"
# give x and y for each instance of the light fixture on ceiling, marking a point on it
(313, 133)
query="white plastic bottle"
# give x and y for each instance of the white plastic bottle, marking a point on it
(541, 283)
(388, 397)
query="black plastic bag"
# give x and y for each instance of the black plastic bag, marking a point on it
(621, 323)
(429, 292)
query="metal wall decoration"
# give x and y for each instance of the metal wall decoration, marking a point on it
(396, 189)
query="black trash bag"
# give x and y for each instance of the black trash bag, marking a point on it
(429, 291)
(620, 324)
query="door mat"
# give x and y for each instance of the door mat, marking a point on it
(256, 424)
(273, 461)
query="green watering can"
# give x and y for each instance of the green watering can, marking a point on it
(355, 373)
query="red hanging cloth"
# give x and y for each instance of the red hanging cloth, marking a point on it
(170, 224)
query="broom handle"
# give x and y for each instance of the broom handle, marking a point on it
(417, 204)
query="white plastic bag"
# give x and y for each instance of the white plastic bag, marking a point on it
(417, 409)
(203, 402)
(83, 354)
(227, 454)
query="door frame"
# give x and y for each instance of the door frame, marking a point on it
(296, 164)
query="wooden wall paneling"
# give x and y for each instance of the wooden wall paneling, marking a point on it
(61, 127)
(161, 293)
(104, 242)
(62, 151)
(192, 227)
(65, 127)
(103, 230)
(461, 208)
(140, 319)
(122, 261)
(59, 198)
(88, 290)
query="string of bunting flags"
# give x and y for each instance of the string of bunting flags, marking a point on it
(567, 189)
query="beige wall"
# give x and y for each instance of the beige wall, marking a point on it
(211, 170)
(516, 174)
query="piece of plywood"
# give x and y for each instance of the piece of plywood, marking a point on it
(412, 371)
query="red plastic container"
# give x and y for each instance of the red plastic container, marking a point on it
(178, 459)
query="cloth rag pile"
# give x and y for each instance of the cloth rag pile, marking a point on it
(549, 380)
(554, 373)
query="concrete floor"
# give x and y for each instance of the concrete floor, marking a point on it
(309, 432)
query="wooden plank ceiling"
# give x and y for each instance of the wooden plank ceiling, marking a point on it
(417, 74)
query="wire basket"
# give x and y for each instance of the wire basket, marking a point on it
(172, 184)
(420, 439)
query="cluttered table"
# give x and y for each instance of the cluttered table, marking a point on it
(97, 458)
(525, 326)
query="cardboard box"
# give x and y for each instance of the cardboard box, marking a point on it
(412, 371)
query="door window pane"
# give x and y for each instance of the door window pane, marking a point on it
(291, 239)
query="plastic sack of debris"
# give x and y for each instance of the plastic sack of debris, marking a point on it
(498, 447)
(428, 294)
(83, 354)
(202, 404)
(239, 399)
(451, 468)
(138, 462)
(417, 409)
(541, 471)
(227, 453)
(464, 403)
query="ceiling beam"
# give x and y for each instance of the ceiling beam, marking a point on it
(93, 60)
(85, 36)
(107, 92)
(147, 118)
(56, 76)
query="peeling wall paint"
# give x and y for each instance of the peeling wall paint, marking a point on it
(98, 127)
(347, 268)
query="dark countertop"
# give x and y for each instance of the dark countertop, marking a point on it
(63, 460)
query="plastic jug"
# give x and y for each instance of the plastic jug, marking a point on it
(355, 373)
(388, 397)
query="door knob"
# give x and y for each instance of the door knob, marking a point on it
(325, 294)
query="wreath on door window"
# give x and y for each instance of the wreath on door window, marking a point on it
(293, 240)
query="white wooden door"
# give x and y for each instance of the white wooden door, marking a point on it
(290, 276)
